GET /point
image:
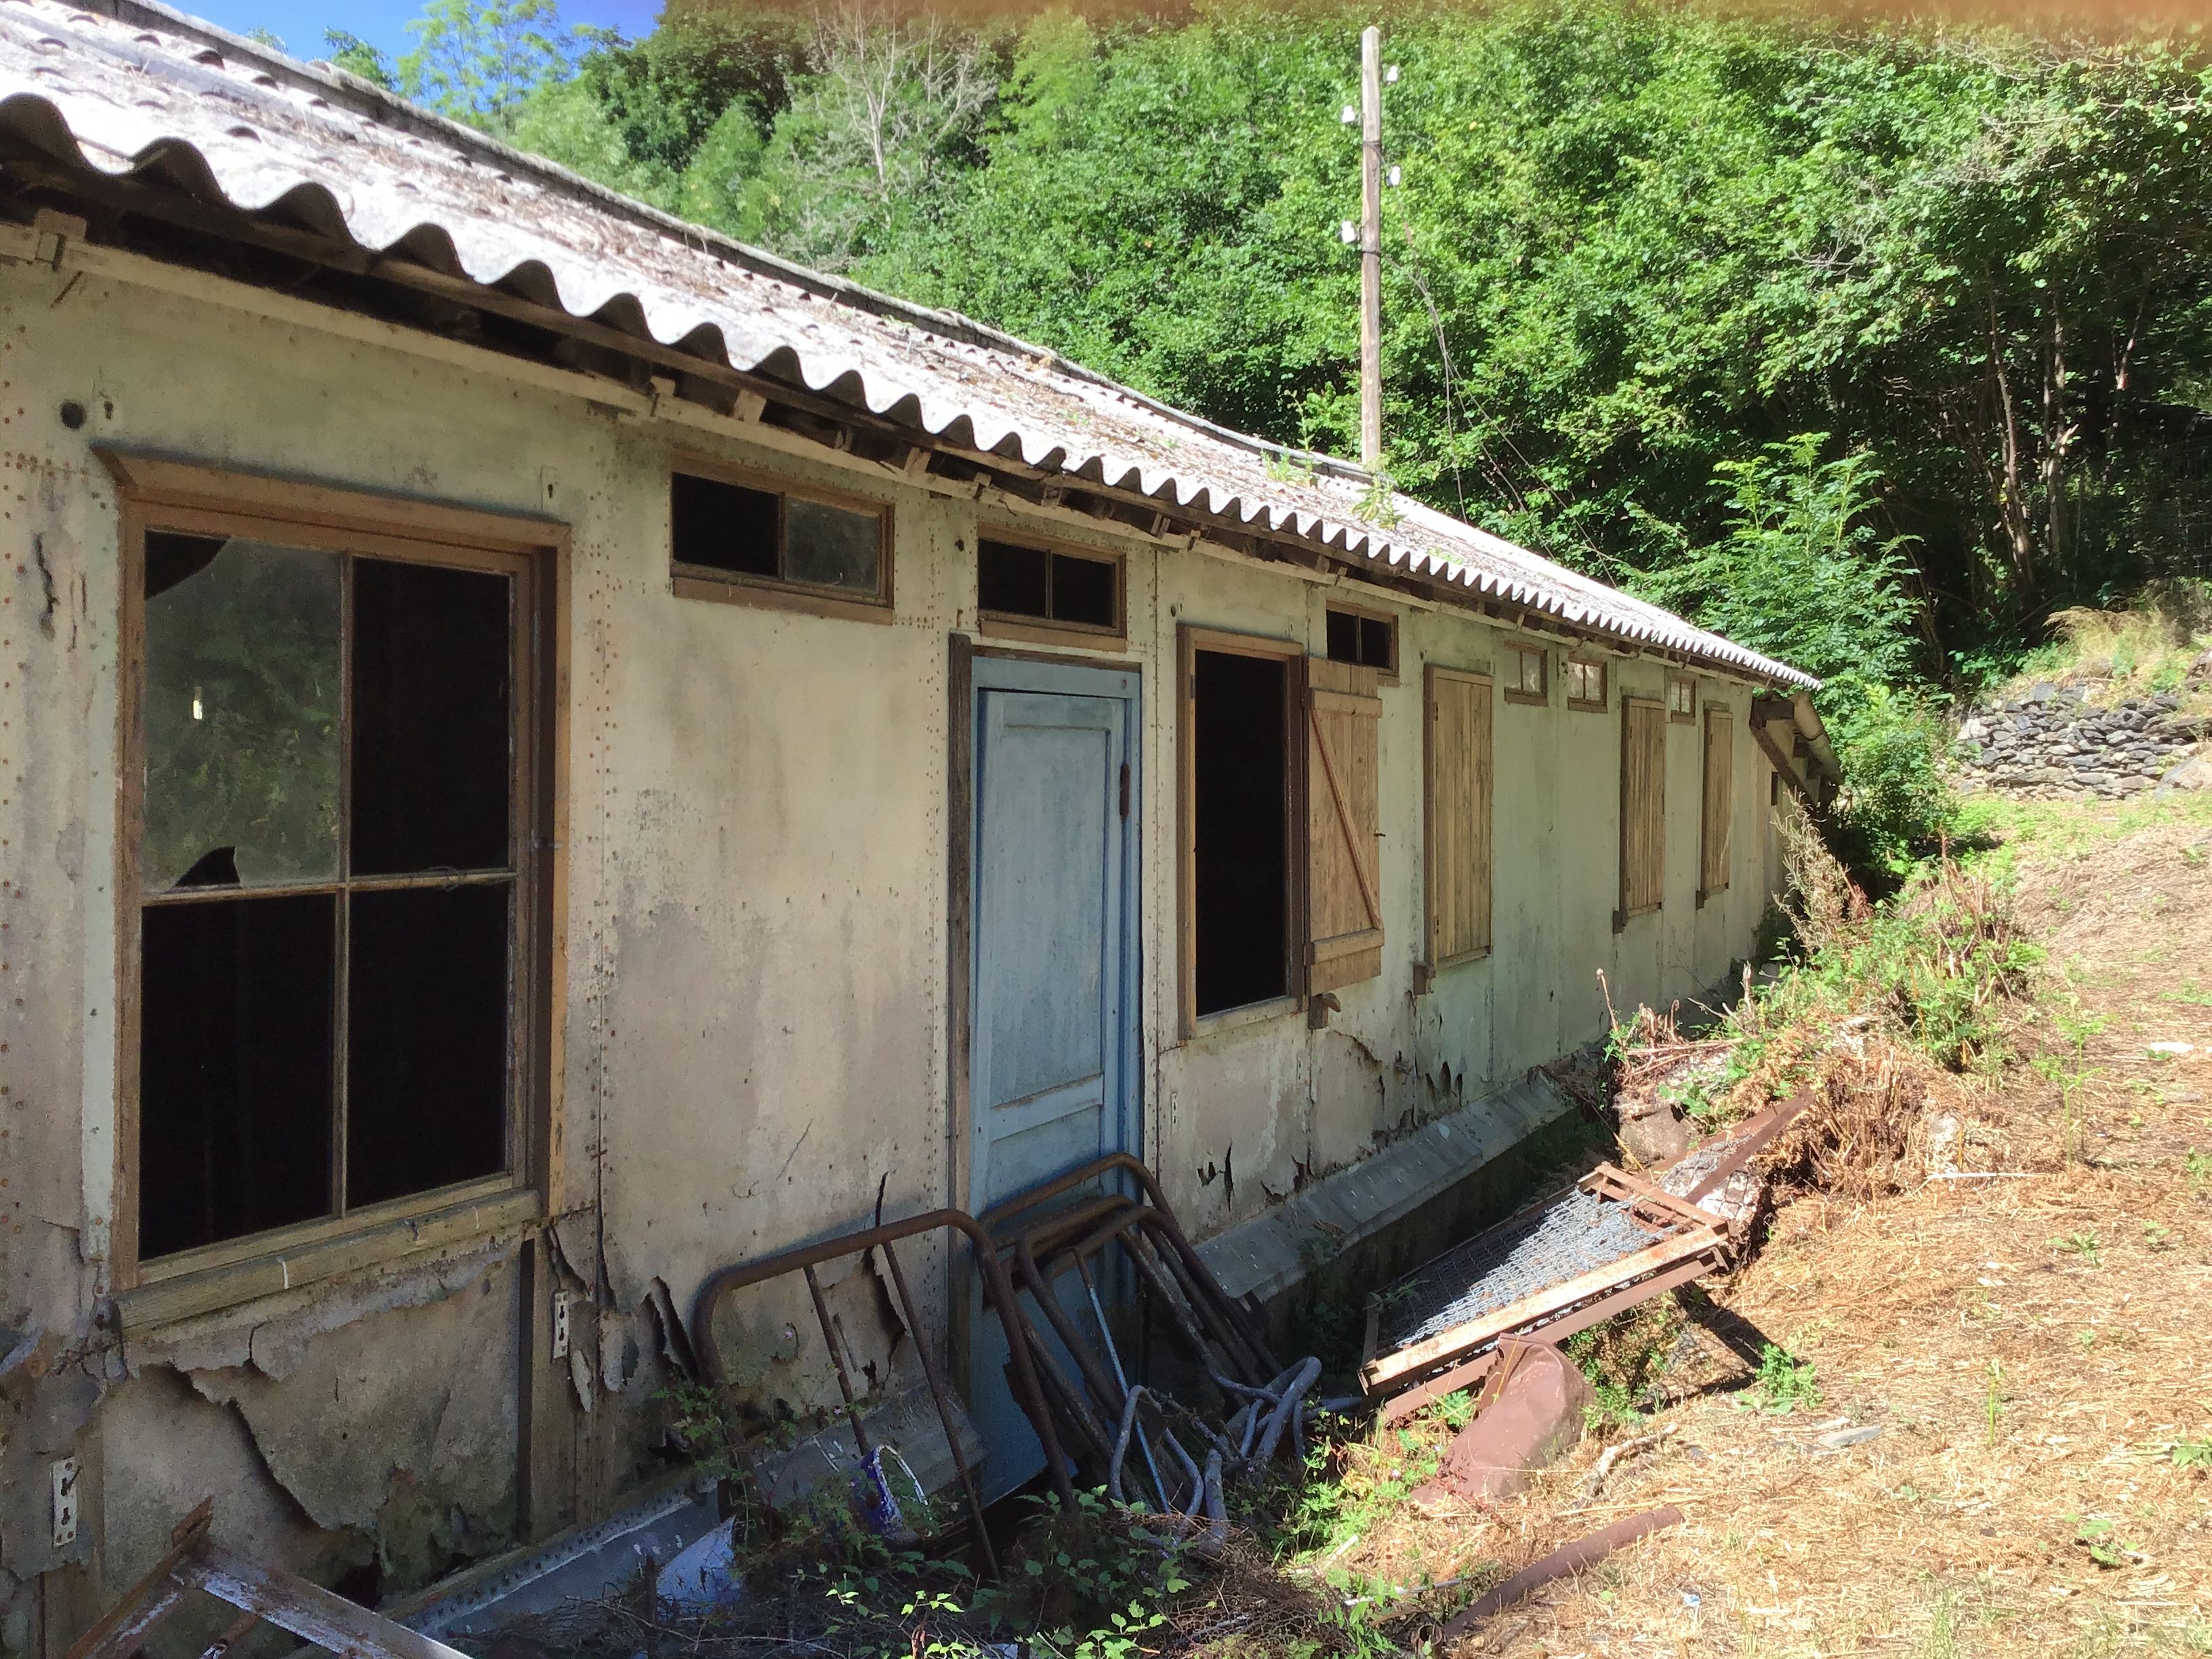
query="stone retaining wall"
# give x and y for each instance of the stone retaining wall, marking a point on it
(2056, 741)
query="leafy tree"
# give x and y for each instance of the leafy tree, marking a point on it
(357, 57)
(1802, 574)
(479, 62)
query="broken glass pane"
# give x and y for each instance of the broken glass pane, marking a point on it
(831, 547)
(241, 704)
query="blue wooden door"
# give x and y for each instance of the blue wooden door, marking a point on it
(1051, 1047)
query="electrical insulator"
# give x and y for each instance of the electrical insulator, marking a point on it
(1348, 231)
(1397, 176)
(1350, 116)
(1390, 75)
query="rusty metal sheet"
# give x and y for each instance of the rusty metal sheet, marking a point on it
(130, 88)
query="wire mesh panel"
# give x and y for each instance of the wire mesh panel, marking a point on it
(1571, 1233)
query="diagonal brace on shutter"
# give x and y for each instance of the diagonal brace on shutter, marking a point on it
(1357, 706)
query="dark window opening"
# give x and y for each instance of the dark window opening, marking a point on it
(234, 1068)
(332, 737)
(724, 526)
(1240, 830)
(431, 721)
(1063, 588)
(1369, 641)
(729, 529)
(426, 1040)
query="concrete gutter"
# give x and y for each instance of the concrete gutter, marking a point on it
(1418, 1183)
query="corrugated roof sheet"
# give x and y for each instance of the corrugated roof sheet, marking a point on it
(129, 87)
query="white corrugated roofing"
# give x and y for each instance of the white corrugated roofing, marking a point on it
(128, 87)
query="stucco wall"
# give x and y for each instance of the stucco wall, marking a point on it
(755, 1039)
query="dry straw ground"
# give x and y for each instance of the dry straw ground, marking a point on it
(2033, 1346)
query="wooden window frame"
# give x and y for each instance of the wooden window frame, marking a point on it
(1385, 675)
(1726, 715)
(166, 496)
(1604, 698)
(700, 581)
(1681, 716)
(1190, 639)
(1623, 913)
(1511, 691)
(1437, 961)
(1045, 630)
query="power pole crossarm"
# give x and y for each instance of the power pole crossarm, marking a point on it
(1370, 248)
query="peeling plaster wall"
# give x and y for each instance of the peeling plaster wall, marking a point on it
(1249, 1113)
(754, 1045)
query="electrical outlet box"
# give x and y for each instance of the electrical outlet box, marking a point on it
(64, 1473)
(561, 1324)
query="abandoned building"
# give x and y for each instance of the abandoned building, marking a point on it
(543, 752)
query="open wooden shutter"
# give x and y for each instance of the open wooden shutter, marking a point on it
(1344, 904)
(1643, 806)
(1456, 842)
(1718, 815)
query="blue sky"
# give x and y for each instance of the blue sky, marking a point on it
(300, 23)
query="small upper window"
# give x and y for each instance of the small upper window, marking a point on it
(1524, 674)
(1585, 683)
(1034, 584)
(1358, 636)
(721, 529)
(1681, 698)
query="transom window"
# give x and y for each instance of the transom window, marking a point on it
(1363, 638)
(725, 530)
(1048, 585)
(1525, 680)
(1681, 699)
(330, 855)
(1585, 683)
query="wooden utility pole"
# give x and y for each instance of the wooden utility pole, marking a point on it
(1370, 248)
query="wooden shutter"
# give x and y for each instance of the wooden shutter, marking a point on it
(1456, 834)
(1344, 905)
(1642, 805)
(1717, 814)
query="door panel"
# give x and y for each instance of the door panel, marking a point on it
(1047, 938)
(1051, 1042)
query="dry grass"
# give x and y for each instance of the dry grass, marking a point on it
(2032, 1349)
(2145, 647)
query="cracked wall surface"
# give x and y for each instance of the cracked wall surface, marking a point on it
(752, 1048)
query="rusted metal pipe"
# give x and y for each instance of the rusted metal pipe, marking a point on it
(835, 1339)
(937, 1394)
(996, 1289)
(1569, 1558)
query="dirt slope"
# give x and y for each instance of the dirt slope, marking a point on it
(2031, 1350)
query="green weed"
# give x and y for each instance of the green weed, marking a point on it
(1783, 1382)
(2101, 1539)
(2082, 1244)
(2192, 1453)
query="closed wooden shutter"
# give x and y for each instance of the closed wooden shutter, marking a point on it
(1343, 907)
(1718, 813)
(1456, 840)
(1642, 805)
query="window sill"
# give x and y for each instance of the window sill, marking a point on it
(1251, 1013)
(778, 596)
(1681, 720)
(1622, 918)
(1036, 630)
(1586, 707)
(178, 1288)
(1531, 698)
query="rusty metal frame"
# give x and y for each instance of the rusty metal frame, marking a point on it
(1163, 1222)
(805, 1258)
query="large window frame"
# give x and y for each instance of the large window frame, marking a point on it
(168, 496)
(1190, 641)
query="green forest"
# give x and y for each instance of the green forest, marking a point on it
(1870, 342)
